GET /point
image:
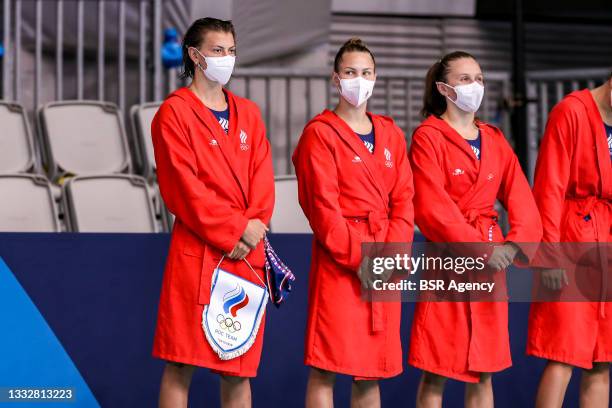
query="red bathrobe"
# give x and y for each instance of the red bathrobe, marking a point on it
(454, 202)
(573, 179)
(350, 196)
(213, 183)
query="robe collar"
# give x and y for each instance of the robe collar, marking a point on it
(373, 162)
(486, 165)
(228, 143)
(600, 138)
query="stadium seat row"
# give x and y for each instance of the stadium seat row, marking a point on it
(82, 173)
(79, 171)
(105, 203)
(76, 138)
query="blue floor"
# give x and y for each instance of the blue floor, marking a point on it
(81, 313)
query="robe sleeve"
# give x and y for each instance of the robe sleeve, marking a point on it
(318, 193)
(261, 183)
(435, 212)
(516, 197)
(553, 171)
(401, 216)
(185, 195)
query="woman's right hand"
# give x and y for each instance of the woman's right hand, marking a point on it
(254, 232)
(554, 279)
(502, 257)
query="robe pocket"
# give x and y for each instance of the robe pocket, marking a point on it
(194, 250)
(206, 274)
(578, 229)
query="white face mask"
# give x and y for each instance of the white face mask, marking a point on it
(356, 90)
(469, 97)
(218, 69)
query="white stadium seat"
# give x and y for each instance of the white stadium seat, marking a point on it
(161, 211)
(109, 203)
(83, 137)
(142, 116)
(17, 152)
(288, 216)
(27, 204)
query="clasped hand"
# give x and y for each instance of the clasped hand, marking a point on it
(254, 232)
(502, 256)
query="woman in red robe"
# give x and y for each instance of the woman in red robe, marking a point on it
(215, 175)
(461, 167)
(573, 190)
(355, 186)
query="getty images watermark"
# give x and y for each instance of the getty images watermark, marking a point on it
(459, 272)
(403, 263)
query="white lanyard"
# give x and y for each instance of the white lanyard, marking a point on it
(250, 267)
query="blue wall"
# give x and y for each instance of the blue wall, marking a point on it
(98, 293)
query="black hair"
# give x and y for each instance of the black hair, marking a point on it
(194, 36)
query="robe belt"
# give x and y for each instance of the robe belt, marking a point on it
(472, 214)
(377, 220)
(586, 206)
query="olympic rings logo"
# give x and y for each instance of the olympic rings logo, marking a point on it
(226, 323)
